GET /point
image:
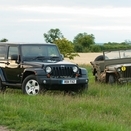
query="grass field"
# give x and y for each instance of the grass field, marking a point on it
(101, 108)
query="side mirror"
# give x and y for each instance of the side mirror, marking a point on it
(14, 57)
(62, 57)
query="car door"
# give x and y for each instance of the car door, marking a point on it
(13, 66)
(3, 60)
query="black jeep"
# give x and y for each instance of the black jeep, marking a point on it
(37, 67)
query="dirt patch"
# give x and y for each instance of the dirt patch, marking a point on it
(3, 128)
(84, 58)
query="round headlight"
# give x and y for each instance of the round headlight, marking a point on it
(118, 69)
(48, 69)
(75, 69)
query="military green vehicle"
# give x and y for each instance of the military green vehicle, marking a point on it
(113, 66)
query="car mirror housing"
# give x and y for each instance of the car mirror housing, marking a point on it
(62, 56)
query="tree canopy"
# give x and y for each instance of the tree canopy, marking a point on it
(66, 48)
(3, 40)
(52, 35)
(83, 41)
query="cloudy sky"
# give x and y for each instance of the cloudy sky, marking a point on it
(28, 20)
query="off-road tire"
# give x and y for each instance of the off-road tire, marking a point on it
(111, 79)
(99, 58)
(30, 85)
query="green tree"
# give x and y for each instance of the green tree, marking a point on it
(66, 48)
(96, 48)
(3, 40)
(78, 48)
(52, 35)
(85, 40)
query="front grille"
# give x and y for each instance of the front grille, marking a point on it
(62, 72)
(127, 72)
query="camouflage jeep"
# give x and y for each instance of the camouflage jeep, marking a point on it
(113, 66)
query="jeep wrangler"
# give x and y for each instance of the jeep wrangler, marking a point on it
(113, 66)
(37, 67)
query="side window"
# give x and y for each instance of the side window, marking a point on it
(13, 51)
(2, 52)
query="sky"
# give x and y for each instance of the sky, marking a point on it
(28, 20)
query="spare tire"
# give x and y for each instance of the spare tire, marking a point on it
(99, 58)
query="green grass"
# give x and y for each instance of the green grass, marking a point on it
(101, 108)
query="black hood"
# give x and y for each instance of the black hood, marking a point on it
(41, 64)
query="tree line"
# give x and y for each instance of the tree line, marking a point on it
(82, 43)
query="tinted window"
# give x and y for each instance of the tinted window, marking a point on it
(13, 50)
(39, 50)
(2, 52)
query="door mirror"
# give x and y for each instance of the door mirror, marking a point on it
(62, 56)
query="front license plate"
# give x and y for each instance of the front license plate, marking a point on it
(68, 81)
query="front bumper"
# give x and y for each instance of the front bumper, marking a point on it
(124, 80)
(59, 81)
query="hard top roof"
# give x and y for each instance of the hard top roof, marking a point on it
(120, 49)
(13, 43)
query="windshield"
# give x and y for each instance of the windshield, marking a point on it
(117, 54)
(40, 52)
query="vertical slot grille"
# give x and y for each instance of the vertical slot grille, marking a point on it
(62, 72)
(127, 72)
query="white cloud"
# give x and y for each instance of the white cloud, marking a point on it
(78, 18)
(104, 28)
(102, 12)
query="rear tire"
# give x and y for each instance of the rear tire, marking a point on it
(99, 58)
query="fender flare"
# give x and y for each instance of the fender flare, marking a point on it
(84, 71)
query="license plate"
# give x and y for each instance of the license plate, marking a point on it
(68, 81)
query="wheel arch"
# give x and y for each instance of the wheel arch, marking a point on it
(33, 71)
(27, 73)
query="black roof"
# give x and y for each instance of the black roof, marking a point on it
(13, 43)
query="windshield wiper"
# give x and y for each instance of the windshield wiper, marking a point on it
(39, 58)
(54, 57)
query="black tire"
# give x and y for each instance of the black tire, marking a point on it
(99, 58)
(111, 79)
(30, 85)
(2, 87)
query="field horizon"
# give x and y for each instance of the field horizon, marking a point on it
(84, 58)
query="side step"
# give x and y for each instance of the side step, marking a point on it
(18, 85)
